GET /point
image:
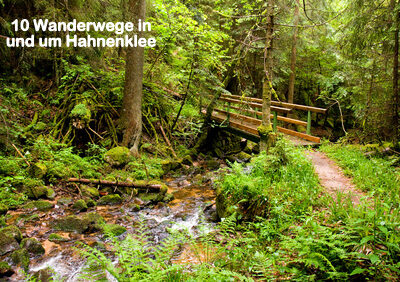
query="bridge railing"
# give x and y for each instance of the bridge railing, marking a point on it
(236, 105)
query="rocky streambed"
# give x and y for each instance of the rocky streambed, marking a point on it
(41, 237)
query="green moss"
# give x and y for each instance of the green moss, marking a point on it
(170, 165)
(112, 199)
(21, 257)
(114, 229)
(7, 243)
(90, 203)
(3, 209)
(38, 170)
(12, 231)
(82, 112)
(80, 205)
(213, 164)
(8, 166)
(55, 238)
(88, 191)
(5, 269)
(50, 194)
(64, 201)
(73, 223)
(40, 205)
(33, 246)
(118, 156)
(36, 192)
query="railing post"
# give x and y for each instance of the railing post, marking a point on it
(229, 110)
(309, 123)
(275, 121)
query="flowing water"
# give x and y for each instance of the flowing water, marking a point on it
(193, 208)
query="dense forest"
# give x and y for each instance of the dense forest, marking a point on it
(237, 140)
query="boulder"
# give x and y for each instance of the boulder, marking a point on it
(12, 231)
(39, 205)
(112, 199)
(118, 156)
(21, 257)
(38, 170)
(7, 243)
(33, 246)
(170, 165)
(90, 192)
(80, 205)
(87, 223)
(36, 192)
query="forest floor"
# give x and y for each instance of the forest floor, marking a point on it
(332, 177)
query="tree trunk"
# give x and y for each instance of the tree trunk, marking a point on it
(294, 53)
(131, 117)
(267, 136)
(396, 98)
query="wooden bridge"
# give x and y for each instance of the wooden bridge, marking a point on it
(242, 116)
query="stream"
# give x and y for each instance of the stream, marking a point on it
(193, 209)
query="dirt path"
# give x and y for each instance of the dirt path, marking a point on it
(332, 177)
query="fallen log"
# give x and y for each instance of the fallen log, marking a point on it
(149, 187)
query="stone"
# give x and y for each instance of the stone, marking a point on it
(5, 269)
(170, 165)
(114, 229)
(87, 223)
(55, 238)
(112, 199)
(39, 205)
(90, 203)
(118, 156)
(80, 205)
(7, 243)
(12, 231)
(33, 246)
(45, 275)
(36, 192)
(21, 257)
(168, 197)
(50, 194)
(241, 157)
(90, 192)
(64, 201)
(3, 209)
(213, 164)
(38, 170)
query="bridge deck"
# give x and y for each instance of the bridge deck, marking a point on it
(248, 128)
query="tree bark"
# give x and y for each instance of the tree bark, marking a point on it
(294, 54)
(396, 98)
(267, 136)
(131, 116)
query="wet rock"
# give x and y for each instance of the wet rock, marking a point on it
(55, 238)
(7, 243)
(212, 164)
(64, 201)
(118, 156)
(5, 269)
(36, 192)
(33, 246)
(3, 209)
(170, 165)
(112, 199)
(168, 197)
(114, 230)
(50, 194)
(252, 148)
(12, 231)
(241, 157)
(38, 170)
(39, 205)
(44, 275)
(151, 198)
(73, 223)
(80, 205)
(90, 192)
(21, 257)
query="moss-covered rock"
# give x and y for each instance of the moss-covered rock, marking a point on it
(88, 191)
(80, 205)
(241, 157)
(90, 203)
(3, 209)
(5, 269)
(55, 238)
(7, 243)
(118, 156)
(112, 199)
(50, 194)
(114, 229)
(212, 164)
(151, 197)
(21, 257)
(38, 170)
(168, 197)
(33, 246)
(36, 192)
(87, 223)
(39, 205)
(170, 165)
(251, 148)
(12, 231)
(64, 201)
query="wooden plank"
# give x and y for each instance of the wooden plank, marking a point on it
(280, 118)
(240, 117)
(277, 104)
(248, 129)
(299, 134)
(255, 105)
